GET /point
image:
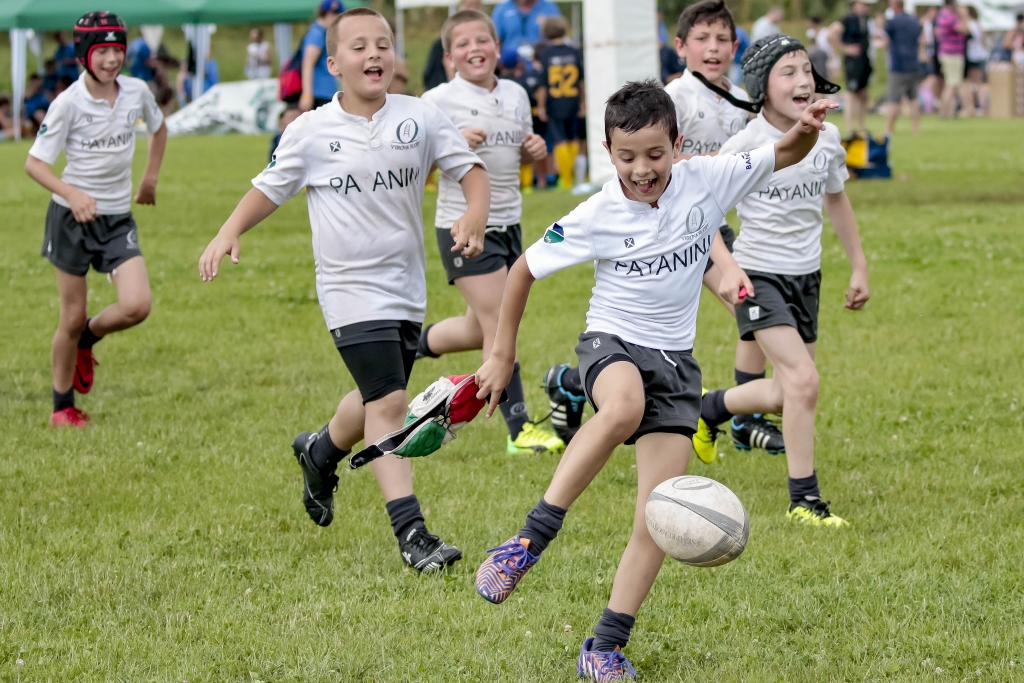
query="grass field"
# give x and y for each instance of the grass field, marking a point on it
(167, 542)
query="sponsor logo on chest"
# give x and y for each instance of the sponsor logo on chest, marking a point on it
(407, 135)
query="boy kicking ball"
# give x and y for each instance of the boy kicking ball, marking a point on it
(363, 159)
(494, 117)
(649, 233)
(89, 220)
(779, 247)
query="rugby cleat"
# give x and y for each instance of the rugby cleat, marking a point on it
(758, 432)
(318, 486)
(704, 439)
(534, 439)
(814, 512)
(85, 363)
(566, 407)
(425, 552)
(603, 666)
(502, 570)
(69, 417)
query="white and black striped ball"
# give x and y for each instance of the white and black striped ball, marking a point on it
(697, 521)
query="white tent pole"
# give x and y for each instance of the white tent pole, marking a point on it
(400, 30)
(283, 43)
(202, 48)
(19, 43)
(576, 37)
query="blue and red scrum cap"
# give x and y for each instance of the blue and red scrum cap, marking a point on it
(98, 29)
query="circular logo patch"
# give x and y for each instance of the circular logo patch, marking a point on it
(407, 131)
(820, 160)
(694, 220)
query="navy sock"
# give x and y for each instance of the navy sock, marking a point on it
(88, 338)
(404, 513)
(65, 400)
(612, 631)
(514, 409)
(572, 382)
(743, 378)
(800, 489)
(423, 348)
(324, 453)
(543, 523)
(712, 408)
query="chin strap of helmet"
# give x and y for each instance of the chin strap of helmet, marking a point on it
(95, 30)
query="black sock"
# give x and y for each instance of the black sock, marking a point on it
(65, 400)
(514, 409)
(800, 489)
(543, 523)
(612, 631)
(571, 381)
(88, 337)
(423, 348)
(404, 512)
(712, 408)
(743, 378)
(324, 453)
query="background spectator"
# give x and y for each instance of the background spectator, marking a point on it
(318, 84)
(560, 98)
(67, 65)
(140, 60)
(36, 101)
(50, 78)
(257, 56)
(742, 43)
(820, 54)
(852, 38)
(977, 59)
(519, 21)
(903, 35)
(931, 87)
(768, 25)
(951, 43)
(1013, 41)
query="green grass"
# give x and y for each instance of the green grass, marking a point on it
(167, 543)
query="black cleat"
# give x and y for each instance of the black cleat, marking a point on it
(425, 552)
(318, 486)
(758, 432)
(566, 407)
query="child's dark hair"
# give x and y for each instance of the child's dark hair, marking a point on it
(705, 12)
(639, 104)
(554, 27)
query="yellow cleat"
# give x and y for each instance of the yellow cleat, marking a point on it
(814, 512)
(534, 439)
(704, 440)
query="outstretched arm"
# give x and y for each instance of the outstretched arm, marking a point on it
(157, 145)
(254, 207)
(800, 139)
(496, 372)
(840, 211)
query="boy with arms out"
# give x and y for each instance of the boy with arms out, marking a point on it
(494, 117)
(707, 116)
(649, 233)
(89, 220)
(363, 158)
(779, 247)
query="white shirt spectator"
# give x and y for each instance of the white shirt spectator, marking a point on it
(763, 28)
(257, 60)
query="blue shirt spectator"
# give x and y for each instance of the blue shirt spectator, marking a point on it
(137, 56)
(324, 83)
(519, 21)
(904, 32)
(744, 43)
(65, 58)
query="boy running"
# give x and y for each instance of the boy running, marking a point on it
(649, 233)
(560, 97)
(494, 117)
(363, 159)
(779, 247)
(89, 220)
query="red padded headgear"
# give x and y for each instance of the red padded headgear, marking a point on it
(98, 29)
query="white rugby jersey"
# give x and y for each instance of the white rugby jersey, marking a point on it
(98, 140)
(364, 188)
(649, 263)
(705, 120)
(780, 226)
(502, 113)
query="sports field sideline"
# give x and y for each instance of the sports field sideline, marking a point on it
(167, 542)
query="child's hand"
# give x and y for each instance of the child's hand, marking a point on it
(492, 378)
(535, 146)
(146, 193)
(83, 207)
(733, 280)
(474, 136)
(858, 294)
(468, 233)
(542, 113)
(813, 117)
(221, 246)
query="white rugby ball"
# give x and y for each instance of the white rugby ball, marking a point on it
(697, 521)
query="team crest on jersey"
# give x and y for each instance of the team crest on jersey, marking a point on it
(554, 234)
(735, 126)
(131, 118)
(695, 221)
(335, 146)
(406, 135)
(42, 130)
(474, 112)
(629, 242)
(820, 160)
(132, 240)
(273, 161)
(700, 115)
